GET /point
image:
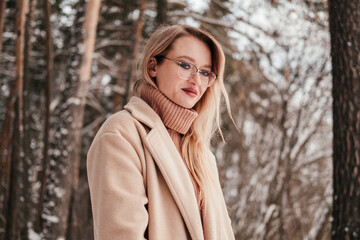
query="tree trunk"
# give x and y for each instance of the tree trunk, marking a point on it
(161, 12)
(15, 218)
(345, 50)
(5, 159)
(90, 24)
(78, 109)
(42, 177)
(2, 21)
(55, 211)
(28, 159)
(138, 37)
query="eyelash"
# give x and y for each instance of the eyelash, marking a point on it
(187, 66)
(184, 65)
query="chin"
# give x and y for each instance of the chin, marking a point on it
(185, 104)
(188, 105)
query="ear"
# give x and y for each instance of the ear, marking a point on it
(152, 67)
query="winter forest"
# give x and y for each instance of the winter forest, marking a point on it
(290, 172)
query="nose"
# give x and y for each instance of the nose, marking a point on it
(196, 79)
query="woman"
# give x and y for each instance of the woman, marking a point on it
(151, 173)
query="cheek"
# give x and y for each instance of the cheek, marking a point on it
(202, 91)
(167, 77)
(165, 83)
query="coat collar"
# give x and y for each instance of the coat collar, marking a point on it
(170, 163)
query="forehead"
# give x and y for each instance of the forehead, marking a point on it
(193, 48)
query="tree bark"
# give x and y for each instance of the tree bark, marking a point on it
(138, 38)
(90, 24)
(28, 159)
(5, 158)
(2, 21)
(161, 12)
(89, 30)
(55, 212)
(15, 216)
(344, 18)
(48, 95)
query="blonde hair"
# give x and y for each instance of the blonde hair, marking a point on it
(196, 142)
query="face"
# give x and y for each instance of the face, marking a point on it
(185, 93)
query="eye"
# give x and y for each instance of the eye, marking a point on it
(205, 73)
(184, 65)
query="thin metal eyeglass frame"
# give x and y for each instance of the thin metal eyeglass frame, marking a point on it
(197, 70)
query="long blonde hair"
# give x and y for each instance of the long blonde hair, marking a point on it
(196, 142)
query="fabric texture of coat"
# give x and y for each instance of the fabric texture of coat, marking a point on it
(140, 187)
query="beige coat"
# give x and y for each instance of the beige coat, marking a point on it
(140, 187)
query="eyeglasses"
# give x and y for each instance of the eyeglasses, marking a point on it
(187, 71)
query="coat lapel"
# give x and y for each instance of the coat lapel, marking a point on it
(177, 178)
(171, 165)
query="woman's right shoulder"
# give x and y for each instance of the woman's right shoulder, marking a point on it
(119, 123)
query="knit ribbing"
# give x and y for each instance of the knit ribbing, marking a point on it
(174, 117)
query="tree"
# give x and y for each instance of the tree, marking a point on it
(48, 94)
(345, 51)
(78, 110)
(2, 20)
(15, 218)
(55, 212)
(135, 52)
(161, 12)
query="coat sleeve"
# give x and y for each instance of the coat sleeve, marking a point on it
(117, 189)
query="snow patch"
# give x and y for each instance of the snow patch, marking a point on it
(59, 192)
(53, 219)
(33, 235)
(74, 100)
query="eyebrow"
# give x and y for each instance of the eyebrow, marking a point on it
(193, 60)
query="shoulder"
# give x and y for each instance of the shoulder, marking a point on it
(118, 141)
(119, 123)
(136, 113)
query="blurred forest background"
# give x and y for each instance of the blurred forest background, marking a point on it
(276, 173)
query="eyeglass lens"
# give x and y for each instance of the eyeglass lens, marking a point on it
(187, 71)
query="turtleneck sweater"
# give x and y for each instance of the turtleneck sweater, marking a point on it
(176, 119)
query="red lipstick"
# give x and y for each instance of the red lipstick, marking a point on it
(192, 92)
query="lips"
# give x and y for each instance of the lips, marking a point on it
(190, 91)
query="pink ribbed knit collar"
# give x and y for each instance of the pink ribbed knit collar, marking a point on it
(173, 116)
